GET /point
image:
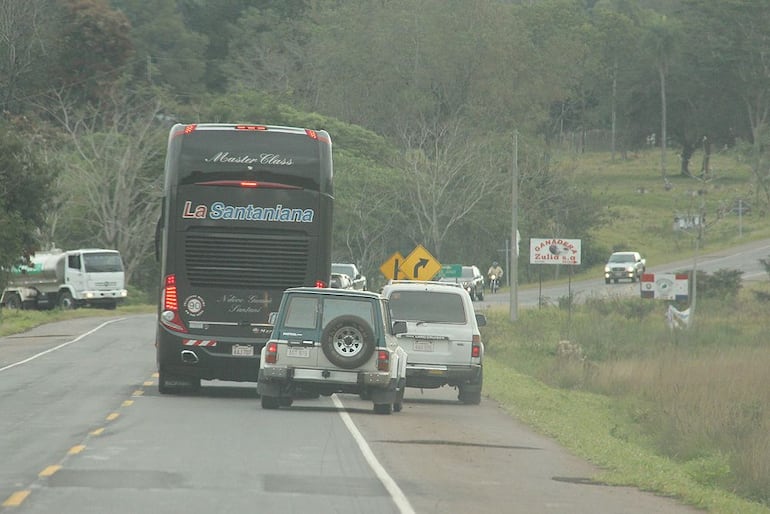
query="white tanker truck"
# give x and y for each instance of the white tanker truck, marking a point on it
(70, 279)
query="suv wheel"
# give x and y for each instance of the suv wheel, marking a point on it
(383, 408)
(270, 402)
(470, 394)
(348, 342)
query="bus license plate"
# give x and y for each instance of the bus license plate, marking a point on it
(423, 346)
(243, 350)
(297, 352)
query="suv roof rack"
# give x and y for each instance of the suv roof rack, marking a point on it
(425, 282)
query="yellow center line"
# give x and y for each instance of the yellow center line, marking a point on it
(128, 403)
(98, 431)
(76, 449)
(16, 498)
(50, 470)
(148, 383)
(113, 416)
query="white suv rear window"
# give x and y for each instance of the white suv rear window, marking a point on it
(428, 306)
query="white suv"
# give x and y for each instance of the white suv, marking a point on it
(327, 341)
(442, 338)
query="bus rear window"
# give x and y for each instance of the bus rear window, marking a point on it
(249, 155)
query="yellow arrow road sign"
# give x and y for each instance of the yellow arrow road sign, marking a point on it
(420, 265)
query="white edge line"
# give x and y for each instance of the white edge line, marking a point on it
(398, 496)
(50, 350)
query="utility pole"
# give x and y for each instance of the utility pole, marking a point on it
(513, 270)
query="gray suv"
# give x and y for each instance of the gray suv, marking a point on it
(328, 341)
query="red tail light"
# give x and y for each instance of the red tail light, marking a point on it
(320, 283)
(312, 134)
(271, 352)
(170, 302)
(476, 347)
(383, 360)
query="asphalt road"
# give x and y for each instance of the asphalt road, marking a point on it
(83, 429)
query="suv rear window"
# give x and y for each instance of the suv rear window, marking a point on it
(335, 307)
(428, 306)
(301, 311)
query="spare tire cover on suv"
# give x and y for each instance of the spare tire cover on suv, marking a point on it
(348, 342)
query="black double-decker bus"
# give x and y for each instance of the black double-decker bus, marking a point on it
(247, 213)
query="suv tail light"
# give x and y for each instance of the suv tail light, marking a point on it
(476, 346)
(383, 360)
(271, 352)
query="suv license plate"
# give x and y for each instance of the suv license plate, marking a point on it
(423, 346)
(297, 352)
(243, 349)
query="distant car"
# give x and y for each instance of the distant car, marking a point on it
(328, 341)
(471, 280)
(624, 265)
(442, 339)
(340, 281)
(358, 280)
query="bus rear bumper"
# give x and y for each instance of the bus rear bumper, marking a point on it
(182, 360)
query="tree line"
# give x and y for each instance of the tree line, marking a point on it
(422, 99)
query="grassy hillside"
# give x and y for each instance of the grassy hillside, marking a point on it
(642, 208)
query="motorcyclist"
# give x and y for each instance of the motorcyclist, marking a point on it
(495, 270)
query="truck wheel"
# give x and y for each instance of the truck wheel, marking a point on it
(348, 342)
(14, 302)
(66, 301)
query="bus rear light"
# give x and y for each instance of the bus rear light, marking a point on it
(170, 301)
(383, 360)
(476, 347)
(271, 352)
(312, 134)
(246, 183)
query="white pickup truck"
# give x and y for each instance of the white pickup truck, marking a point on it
(624, 265)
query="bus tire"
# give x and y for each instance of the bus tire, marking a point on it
(348, 342)
(163, 387)
(270, 402)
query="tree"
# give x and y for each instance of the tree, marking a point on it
(93, 48)
(448, 172)
(112, 175)
(24, 50)
(25, 191)
(168, 53)
(661, 41)
(734, 40)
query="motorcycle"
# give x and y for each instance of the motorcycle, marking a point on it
(494, 283)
